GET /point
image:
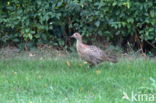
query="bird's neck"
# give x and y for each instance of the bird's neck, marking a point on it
(78, 42)
(80, 45)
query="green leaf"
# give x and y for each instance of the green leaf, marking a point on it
(97, 23)
(59, 4)
(152, 13)
(130, 20)
(30, 36)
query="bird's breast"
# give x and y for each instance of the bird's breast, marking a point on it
(81, 48)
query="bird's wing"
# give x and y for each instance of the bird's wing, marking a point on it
(96, 52)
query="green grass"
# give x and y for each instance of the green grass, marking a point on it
(28, 80)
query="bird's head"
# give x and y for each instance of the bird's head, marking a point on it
(77, 36)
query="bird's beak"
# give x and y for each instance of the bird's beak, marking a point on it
(72, 36)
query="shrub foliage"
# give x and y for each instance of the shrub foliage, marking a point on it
(31, 22)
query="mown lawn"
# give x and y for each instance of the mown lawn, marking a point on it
(69, 80)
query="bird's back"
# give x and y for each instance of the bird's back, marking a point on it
(93, 54)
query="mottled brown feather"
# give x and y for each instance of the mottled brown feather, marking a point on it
(90, 53)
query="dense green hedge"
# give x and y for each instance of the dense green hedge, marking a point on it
(31, 22)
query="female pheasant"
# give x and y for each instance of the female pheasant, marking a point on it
(92, 54)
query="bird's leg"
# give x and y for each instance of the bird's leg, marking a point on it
(91, 65)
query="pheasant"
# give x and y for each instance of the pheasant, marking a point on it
(92, 54)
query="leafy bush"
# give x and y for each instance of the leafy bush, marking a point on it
(26, 23)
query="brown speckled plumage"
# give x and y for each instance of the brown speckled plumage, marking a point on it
(92, 54)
